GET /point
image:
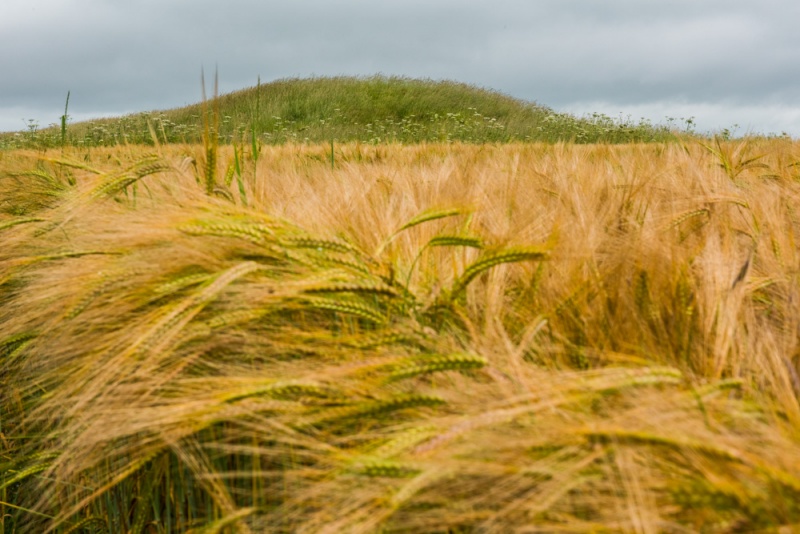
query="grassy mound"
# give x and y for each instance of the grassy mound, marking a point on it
(455, 339)
(370, 110)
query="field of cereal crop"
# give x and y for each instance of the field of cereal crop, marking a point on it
(385, 337)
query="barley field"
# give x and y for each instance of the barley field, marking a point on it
(436, 337)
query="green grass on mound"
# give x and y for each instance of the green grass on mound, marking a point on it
(376, 109)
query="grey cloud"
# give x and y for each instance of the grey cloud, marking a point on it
(145, 54)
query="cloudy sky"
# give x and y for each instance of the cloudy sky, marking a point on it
(723, 62)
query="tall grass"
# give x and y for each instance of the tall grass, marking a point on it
(210, 133)
(64, 119)
(437, 338)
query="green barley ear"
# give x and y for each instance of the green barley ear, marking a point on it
(223, 524)
(327, 261)
(365, 287)
(444, 241)
(385, 469)
(436, 363)
(53, 184)
(399, 402)
(430, 215)
(734, 161)
(383, 339)
(699, 218)
(380, 407)
(318, 244)
(36, 463)
(281, 391)
(101, 288)
(455, 241)
(18, 263)
(298, 391)
(145, 497)
(354, 308)
(12, 343)
(717, 387)
(177, 284)
(13, 347)
(425, 216)
(238, 159)
(259, 234)
(21, 220)
(175, 318)
(641, 292)
(88, 524)
(117, 183)
(401, 442)
(255, 145)
(511, 255)
(231, 170)
(65, 163)
(689, 215)
(224, 193)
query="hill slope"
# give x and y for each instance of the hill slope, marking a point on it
(373, 109)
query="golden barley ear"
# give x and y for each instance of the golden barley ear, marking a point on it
(717, 452)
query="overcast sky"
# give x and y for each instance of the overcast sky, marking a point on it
(723, 62)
